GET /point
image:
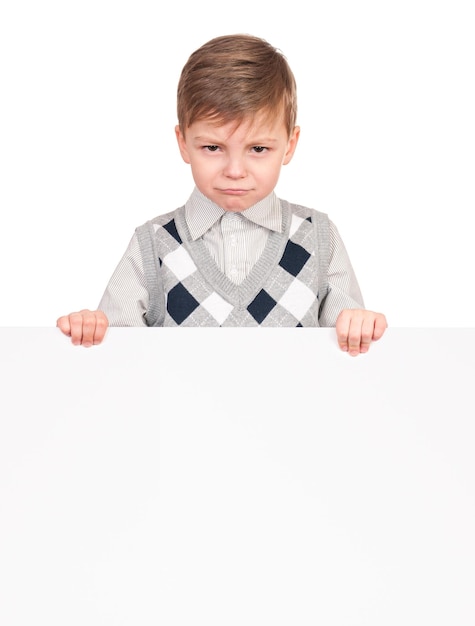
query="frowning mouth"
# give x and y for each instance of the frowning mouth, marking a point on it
(234, 192)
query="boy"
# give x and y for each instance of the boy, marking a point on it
(235, 254)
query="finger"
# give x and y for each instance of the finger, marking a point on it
(367, 333)
(101, 327)
(88, 327)
(380, 326)
(76, 326)
(64, 326)
(354, 335)
(342, 328)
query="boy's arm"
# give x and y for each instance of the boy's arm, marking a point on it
(124, 303)
(343, 306)
(126, 299)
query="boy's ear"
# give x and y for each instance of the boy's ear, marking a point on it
(291, 145)
(182, 144)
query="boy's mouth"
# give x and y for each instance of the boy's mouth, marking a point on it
(234, 192)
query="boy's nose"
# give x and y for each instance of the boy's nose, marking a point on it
(234, 168)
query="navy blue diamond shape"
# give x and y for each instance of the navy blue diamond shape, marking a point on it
(261, 306)
(171, 228)
(180, 303)
(294, 258)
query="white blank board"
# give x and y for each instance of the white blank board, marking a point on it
(237, 477)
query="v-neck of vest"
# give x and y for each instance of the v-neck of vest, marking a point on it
(243, 294)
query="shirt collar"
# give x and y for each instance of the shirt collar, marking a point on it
(201, 213)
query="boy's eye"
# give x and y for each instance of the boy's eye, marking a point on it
(259, 148)
(211, 148)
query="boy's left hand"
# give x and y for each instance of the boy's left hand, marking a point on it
(357, 328)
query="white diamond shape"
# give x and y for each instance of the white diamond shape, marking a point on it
(297, 299)
(218, 307)
(180, 263)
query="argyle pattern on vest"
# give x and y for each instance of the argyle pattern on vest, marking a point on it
(288, 295)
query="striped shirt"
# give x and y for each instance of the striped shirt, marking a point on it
(235, 241)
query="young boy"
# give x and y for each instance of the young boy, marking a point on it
(235, 254)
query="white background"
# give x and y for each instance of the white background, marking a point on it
(88, 152)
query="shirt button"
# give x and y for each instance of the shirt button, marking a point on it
(233, 240)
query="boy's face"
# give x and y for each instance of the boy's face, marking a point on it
(236, 167)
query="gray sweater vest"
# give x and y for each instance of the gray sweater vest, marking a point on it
(286, 287)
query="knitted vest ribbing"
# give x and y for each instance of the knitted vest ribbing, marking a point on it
(286, 287)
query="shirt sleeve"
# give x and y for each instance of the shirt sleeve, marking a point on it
(125, 300)
(343, 289)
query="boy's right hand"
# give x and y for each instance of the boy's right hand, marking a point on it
(85, 327)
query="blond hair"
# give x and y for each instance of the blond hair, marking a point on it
(234, 77)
